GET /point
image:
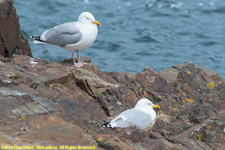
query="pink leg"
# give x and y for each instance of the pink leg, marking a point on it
(78, 65)
(79, 60)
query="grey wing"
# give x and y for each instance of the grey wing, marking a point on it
(62, 35)
(133, 117)
(119, 121)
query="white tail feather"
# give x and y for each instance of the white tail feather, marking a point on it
(38, 42)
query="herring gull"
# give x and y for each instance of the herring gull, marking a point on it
(141, 116)
(72, 35)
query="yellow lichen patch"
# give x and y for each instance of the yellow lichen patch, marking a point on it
(24, 117)
(198, 137)
(209, 127)
(160, 96)
(100, 139)
(203, 116)
(190, 100)
(188, 72)
(36, 111)
(58, 84)
(199, 89)
(210, 85)
(141, 89)
(51, 85)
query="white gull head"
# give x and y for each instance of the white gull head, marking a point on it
(146, 106)
(87, 18)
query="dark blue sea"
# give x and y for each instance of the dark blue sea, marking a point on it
(135, 33)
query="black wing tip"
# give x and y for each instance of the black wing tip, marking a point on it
(106, 125)
(36, 37)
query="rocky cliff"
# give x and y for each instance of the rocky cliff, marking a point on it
(12, 39)
(46, 103)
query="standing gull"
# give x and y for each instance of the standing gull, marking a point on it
(141, 116)
(72, 35)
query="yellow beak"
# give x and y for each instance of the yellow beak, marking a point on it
(156, 106)
(97, 23)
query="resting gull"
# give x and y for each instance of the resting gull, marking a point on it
(141, 116)
(72, 35)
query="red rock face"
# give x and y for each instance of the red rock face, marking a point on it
(12, 40)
